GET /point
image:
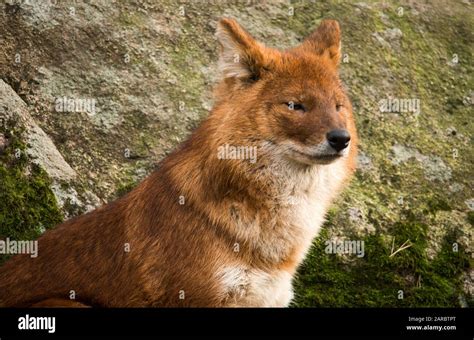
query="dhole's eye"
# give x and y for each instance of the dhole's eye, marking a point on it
(296, 106)
(338, 107)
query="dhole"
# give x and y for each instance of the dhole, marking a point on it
(204, 230)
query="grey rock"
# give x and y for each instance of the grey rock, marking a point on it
(364, 162)
(392, 34)
(470, 203)
(40, 147)
(433, 166)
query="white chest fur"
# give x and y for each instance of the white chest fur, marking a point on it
(245, 287)
(301, 212)
(294, 224)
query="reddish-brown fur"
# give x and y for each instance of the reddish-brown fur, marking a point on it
(178, 248)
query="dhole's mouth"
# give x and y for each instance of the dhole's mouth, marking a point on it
(317, 158)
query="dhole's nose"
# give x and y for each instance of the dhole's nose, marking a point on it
(338, 139)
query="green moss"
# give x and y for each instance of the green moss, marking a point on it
(28, 206)
(437, 203)
(470, 217)
(325, 280)
(124, 188)
(130, 18)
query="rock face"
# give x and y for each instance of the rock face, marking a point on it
(41, 150)
(96, 93)
(40, 147)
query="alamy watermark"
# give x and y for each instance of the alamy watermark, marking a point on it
(348, 247)
(28, 322)
(85, 105)
(12, 247)
(400, 105)
(237, 152)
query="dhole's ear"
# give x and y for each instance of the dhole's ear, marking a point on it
(326, 39)
(241, 55)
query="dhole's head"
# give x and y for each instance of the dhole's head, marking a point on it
(290, 99)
